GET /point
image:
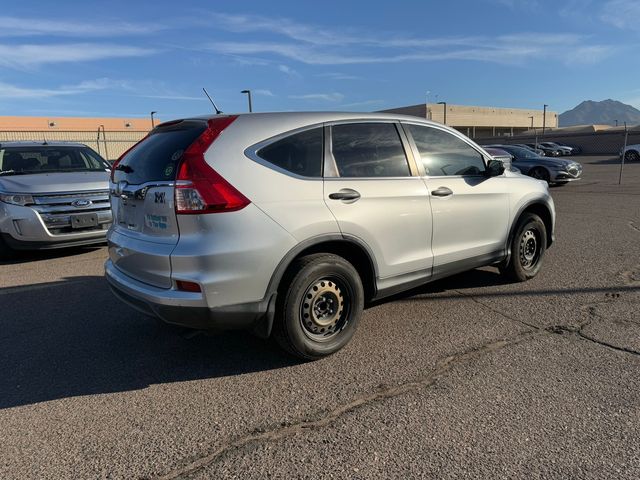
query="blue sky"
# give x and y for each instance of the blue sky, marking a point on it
(125, 59)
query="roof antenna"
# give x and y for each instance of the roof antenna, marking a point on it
(218, 112)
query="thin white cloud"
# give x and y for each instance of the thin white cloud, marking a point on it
(623, 14)
(32, 26)
(338, 76)
(321, 46)
(327, 97)
(26, 56)
(264, 92)
(11, 91)
(288, 70)
(366, 103)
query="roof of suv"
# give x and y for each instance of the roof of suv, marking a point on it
(24, 143)
(318, 117)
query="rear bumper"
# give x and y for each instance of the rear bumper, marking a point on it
(189, 309)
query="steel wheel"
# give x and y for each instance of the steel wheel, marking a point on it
(529, 249)
(324, 308)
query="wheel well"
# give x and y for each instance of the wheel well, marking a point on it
(543, 212)
(354, 254)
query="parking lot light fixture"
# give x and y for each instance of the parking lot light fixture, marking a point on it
(248, 92)
(544, 118)
(531, 117)
(152, 120)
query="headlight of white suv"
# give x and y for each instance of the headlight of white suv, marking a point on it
(16, 199)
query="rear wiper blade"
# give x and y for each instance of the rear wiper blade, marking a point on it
(124, 168)
(13, 172)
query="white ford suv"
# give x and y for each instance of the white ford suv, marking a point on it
(289, 223)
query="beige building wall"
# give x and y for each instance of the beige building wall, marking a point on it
(119, 133)
(82, 124)
(477, 121)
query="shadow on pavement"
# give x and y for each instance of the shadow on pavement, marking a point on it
(26, 256)
(73, 337)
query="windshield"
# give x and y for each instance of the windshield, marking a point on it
(49, 159)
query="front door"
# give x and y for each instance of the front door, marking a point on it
(470, 209)
(375, 198)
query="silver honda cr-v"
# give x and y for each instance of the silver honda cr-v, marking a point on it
(289, 223)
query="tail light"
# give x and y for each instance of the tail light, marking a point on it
(199, 188)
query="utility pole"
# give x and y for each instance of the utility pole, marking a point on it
(624, 152)
(248, 92)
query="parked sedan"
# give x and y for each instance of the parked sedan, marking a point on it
(537, 151)
(551, 170)
(52, 195)
(548, 151)
(564, 150)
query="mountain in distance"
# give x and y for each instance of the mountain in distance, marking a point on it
(605, 112)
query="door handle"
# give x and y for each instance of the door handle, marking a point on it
(345, 194)
(442, 192)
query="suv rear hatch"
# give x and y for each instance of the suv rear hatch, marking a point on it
(145, 200)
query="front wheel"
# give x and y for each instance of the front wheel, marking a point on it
(631, 156)
(319, 305)
(528, 246)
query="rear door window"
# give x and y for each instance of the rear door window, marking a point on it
(369, 150)
(300, 153)
(157, 156)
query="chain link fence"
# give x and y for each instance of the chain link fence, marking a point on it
(109, 144)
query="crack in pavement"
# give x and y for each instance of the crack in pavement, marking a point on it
(634, 226)
(442, 366)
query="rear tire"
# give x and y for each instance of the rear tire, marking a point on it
(528, 246)
(320, 302)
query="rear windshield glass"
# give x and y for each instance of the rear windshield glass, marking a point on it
(156, 157)
(49, 159)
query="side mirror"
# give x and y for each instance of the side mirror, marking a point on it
(495, 168)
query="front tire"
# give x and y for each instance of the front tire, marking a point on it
(528, 246)
(319, 305)
(631, 156)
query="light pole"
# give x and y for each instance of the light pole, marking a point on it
(544, 118)
(616, 122)
(248, 92)
(152, 121)
(445, 111)
(531, 117)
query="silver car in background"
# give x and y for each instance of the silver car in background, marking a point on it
(52, 195)
(290, 223)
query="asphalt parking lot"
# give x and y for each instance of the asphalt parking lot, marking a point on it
(467, 377)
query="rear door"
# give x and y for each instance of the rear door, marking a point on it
(371, 189)
(470, 209)
(145, 228)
